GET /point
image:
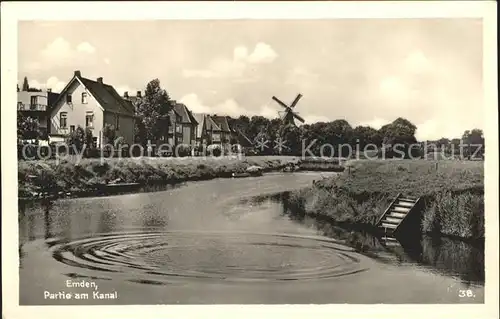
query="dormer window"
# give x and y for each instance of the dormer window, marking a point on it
(69, 99)
(84, 98)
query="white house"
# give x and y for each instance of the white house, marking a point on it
(93, 104)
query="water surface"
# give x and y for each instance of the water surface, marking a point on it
(209, 242)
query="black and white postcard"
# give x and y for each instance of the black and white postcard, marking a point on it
(230, 158)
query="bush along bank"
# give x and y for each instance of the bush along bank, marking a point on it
(57, 179)
(456, 210)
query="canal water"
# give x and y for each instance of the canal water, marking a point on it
(227, 241)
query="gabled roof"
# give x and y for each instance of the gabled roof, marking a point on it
(105, 95)
(173, 112)
(200, 118)
(210, 124)
(186, 116)
(221, 122)
(193, 119)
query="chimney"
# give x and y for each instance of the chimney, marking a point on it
(49, 90)
(78, 73)
(99, 80)
(139, 94)
(125, 95)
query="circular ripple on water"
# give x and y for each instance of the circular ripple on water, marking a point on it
(208, 255)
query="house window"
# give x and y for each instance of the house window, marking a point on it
(117, 122)
(84, 98)
(71, 128)
(69, 99)
(63, 119)
(33, 101)
(89, 120)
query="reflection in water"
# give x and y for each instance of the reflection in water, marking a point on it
(206, 232)
(162, 257)
(449, 256)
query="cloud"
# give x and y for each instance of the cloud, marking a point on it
(268, 112)
(232, 108)
(303, 78)
(59, 48)
(51, 83)
(85, 47)
(219, 68)
(310, 119)
(228, 107)
(107, 61)
(125, 88)
(58, 53)
(236, 66)
(375, 123)
(262, 53)
(194, 103)
(417, 62)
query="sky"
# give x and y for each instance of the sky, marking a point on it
(366, 71)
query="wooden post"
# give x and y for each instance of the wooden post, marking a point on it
(436, 166)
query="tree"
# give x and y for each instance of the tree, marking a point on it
(241, 123)
(89, 137)
(76, 139)
(109, 133)
(291, 136)
(474, 136)
(263, 143)
(26, 85)
(474, 139)
(28, 128)
(402, 132)
(274, 128)
(256, 125)
(365, 135)
(152, 111)
(140, 132)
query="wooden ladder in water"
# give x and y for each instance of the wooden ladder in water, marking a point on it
(396, 213)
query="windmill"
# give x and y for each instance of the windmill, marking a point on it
(288, 116)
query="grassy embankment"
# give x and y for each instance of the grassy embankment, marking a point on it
(65, 176)
(453, 194)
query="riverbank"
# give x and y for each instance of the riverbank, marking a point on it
(452, 193)
(51, 177)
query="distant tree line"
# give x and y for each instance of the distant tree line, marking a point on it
(152, 124)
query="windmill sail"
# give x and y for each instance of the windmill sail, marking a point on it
(296, 100)
(288, 115)
(298, 117)
(279, 102)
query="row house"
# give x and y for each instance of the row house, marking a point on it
(181, 124)
(91, 104)
(212, 129)
(185, 124)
